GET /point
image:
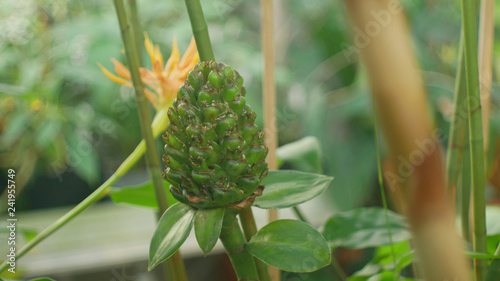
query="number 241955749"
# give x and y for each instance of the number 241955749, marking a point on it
(11, 193)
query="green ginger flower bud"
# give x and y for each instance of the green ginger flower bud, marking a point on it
(214, 152)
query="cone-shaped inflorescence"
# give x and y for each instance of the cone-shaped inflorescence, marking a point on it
(215, 155)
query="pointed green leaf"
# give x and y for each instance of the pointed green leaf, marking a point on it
(287, 188)
(172, 230)
(290, 245)
(364, 227)
(478, 255)
(43, 279)
(139, 195)
(207, 227)
(493, 270)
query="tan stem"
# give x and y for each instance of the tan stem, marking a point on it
(269, 99)
(382, 38)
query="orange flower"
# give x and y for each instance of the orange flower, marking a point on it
(162, 81)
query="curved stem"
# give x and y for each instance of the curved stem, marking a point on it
(235, 244)
(200, 30)
(250, 229)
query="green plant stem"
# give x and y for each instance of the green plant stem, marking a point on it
(200, 30)
(235, 244)
(136, 28)
(381, 185)
(250, 229)
(458, 125)
(476, 136)
(153, 166)
(299, 214)
(97, 195)
(160, 122)
(464, 187)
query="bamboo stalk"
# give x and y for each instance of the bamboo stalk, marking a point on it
(136, 28)
(235, 244)
(478, 174)
(200, 30)
(486, 35)
(269, 99)
(153, 165)
(415, 153)
(250, 229)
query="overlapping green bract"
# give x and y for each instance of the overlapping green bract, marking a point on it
(215, 154)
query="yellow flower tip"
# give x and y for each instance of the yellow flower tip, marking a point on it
(113, 77)
(149, 47)
(174, 59)
(121, 70)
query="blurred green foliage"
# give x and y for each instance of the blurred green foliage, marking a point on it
(60, 115)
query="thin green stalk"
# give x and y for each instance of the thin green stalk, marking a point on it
(381, 184)
(458, 124)
(250, 229)
(159, 124)
(200, 30)
(98, 194)
(136, 28)
(476, 136)
(464, 187)
(299, 214)
(152, 160)
(235, 244)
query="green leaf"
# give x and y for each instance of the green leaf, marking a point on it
(363, 228)
(303, 154)
(47, 132)
(16, 126)
(172, 230)
(291, 246)
(493, 271)
(207, 227)
(82, 157)
(140, 195)
(288, 188)
(477, 255)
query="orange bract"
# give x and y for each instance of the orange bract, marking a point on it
(163, 80)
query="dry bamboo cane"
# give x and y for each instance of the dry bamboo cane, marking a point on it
(269, 99)
(415, 151)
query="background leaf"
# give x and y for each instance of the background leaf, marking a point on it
(288, 188)
(140, 195)
(363, 228)
(303, 154)
(172, 230)
(207, 227)
(493, 220)
(290, 245)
